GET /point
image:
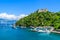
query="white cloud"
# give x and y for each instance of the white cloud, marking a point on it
(11, 16)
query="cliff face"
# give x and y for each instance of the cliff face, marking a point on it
(40, 18)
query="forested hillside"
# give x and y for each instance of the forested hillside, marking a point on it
(40, 18)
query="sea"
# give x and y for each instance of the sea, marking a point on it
(7, 32)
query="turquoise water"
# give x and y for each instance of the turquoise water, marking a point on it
(9, 33)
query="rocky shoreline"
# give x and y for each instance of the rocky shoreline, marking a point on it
(56, 31)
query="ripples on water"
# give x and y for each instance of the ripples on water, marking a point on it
(8, 33)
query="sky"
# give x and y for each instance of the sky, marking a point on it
(21, 8)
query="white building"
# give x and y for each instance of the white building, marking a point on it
(42, 10)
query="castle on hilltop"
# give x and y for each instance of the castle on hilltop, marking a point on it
(42, 10)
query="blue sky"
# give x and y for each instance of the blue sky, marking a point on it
(17, 7)
(27, 6)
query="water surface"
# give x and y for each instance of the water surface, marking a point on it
(8, 33)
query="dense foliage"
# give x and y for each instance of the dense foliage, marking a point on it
(40, 19)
